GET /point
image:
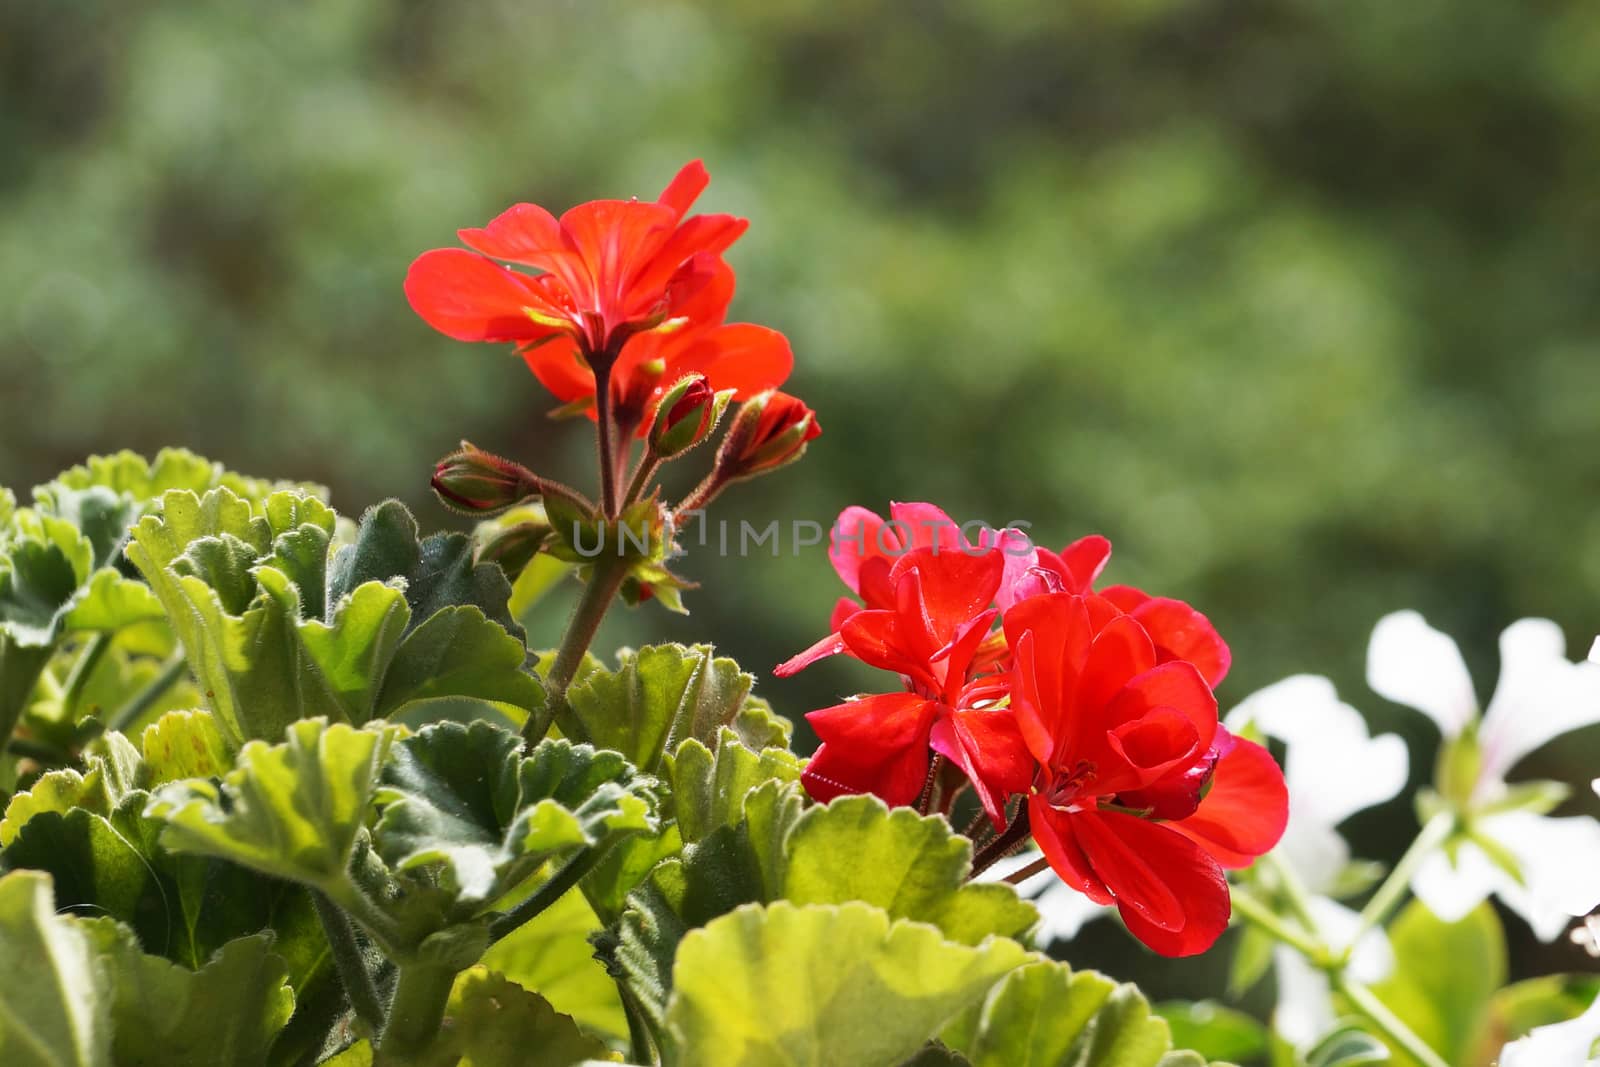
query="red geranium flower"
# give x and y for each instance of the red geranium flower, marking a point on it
(939, 618)
(863, 547)
(625, 282)
(1140, 798)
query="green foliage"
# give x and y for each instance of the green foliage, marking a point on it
(290, 810)
(465, 801)
(552, 954)
(490, 1020)
(82, 993)
(874, 990)
(1348, 1046)
(278, 631)
(709, 787)
(1444, 1001)
(662, 695)
(1215, 1030)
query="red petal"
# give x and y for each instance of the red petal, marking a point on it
(523, 233)
(1178, 630)
(465, 296)
(560, 369)
(956, 586)
(1122, 651)
(923, 526)
(1148, 747)
(703, 235)
(858, 535)
(739, 356)
(843, 608)
(1171, 894)
(831, 645)
(1244, 814)
(1176, 685)
(615, 238)
(1050, 638)
(878, 745)
(685, 188)
(1052, 832)
(989, 750)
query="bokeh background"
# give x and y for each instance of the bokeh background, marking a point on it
(1298, 302)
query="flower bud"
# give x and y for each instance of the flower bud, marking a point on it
(514, 547)
(771, 430)
(479, 483)
(685, 416)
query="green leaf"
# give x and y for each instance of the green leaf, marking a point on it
(491, 1021)
(1252, 959)
(465, 801)
(819, 986)
(660, 696)
(1555, 998)
(912, 866)
(291, 810)
(40, 571)
(438, 572)
(709, 789)
(458, 652)
(183, 744)
(1348, 1046)
(1433, 990)
(110, 602)
(54, 1009)
(552, 954)
(1213, 1029)
(132, 476)
(112, 774)
(165, 1015)
(934, 1054)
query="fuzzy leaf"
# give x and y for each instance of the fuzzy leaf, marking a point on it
(552, 954)
(1217, 1031)
(490, 1021)
(291, 810)
(914, 867)
(165, 1015)
(708, 789)
(465, 799)
(661, 695)
(183, 744)
(819, 986)
(112, 773)
(54, 1007)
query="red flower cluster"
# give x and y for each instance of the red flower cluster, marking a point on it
(633, 290)
(1096, 707)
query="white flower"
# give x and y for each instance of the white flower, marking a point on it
(1333, 769)
(1540, 696)
(1569, 1044)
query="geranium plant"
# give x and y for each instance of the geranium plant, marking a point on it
(284, 787)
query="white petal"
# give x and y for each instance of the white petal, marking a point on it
(1373, 958)
(1595, 785)
(1560, 864)
(1313, 850)
(1333, 768)
(1594, 651)
(1305, 1004)
(1570, 1042)
(1540, 695)
(1411, 663)
(1449, 890)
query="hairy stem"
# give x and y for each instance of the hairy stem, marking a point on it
(82, 668)
(1393, 889)
(141, 701)
(564, 879)
(648, 465)
(349, 962)
(702, 494)
(604, 435)
(1388, 1023)
(931, 784)
(641, 1042)
(1001, 846)
(415, 1013)
(604, 582)
(1017, 877)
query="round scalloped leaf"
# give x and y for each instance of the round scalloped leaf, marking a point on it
(54, 984)
(819, 986)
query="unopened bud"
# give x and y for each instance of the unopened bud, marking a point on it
(686, 415)
(514, 547)
(771, 430)
(480, 483)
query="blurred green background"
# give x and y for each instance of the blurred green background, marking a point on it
(1298, 302)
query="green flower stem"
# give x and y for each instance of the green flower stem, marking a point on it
(564, 879)
(84, 666)
(383, 931)
(641, 1041)
(1387, 1022)
(609, 571)
(350, 963)
(1253, 911)
(649, 463)
(141, 701)
(1393, 890)
(1294, 893)
(420, 996)
(50, 755)
(703, 494)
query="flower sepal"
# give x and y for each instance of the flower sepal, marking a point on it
(474, 482)
(688, 413)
